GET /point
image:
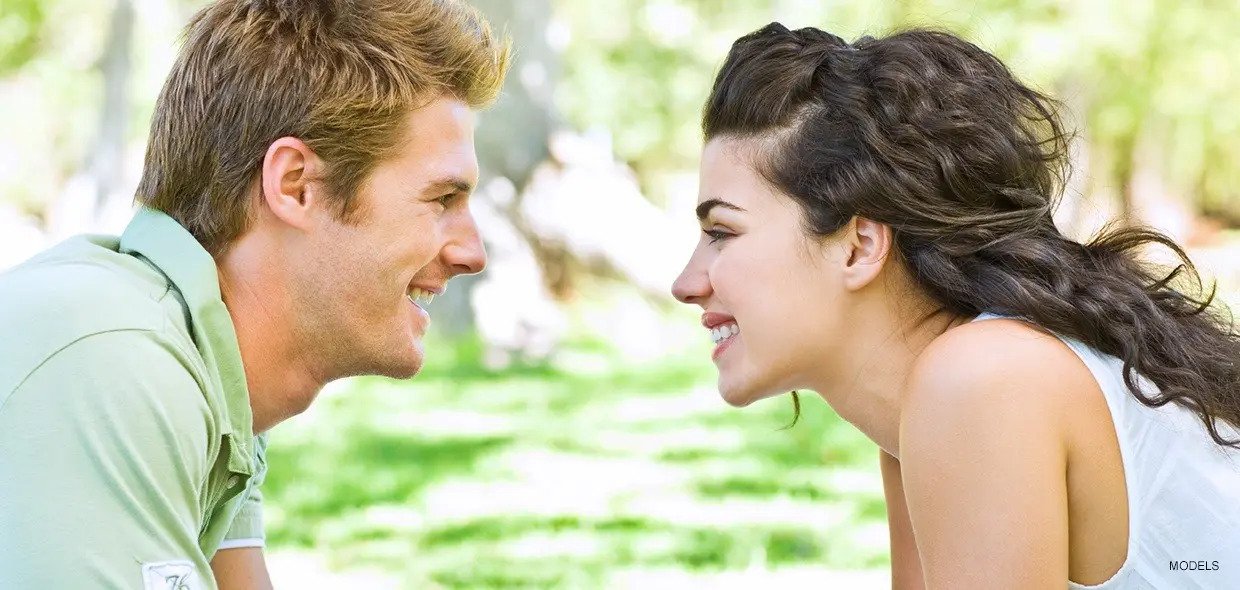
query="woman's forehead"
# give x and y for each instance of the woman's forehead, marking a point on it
(730, 184)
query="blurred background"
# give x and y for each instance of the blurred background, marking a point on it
(566, 432)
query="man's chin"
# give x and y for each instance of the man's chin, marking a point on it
(409, 362)
(404, 366)
(407, 368)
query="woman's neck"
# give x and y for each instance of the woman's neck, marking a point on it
(869, 390)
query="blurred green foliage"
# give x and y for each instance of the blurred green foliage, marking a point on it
(21, 22)
(1150, 81)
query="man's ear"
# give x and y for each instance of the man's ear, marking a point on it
(288, 190)
(867, 243)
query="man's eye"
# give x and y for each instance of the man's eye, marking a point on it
(446, 199)
(716, 235)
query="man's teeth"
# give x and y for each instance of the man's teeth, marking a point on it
(420, 297)
(721, 333)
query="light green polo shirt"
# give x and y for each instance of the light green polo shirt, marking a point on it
(127, 456)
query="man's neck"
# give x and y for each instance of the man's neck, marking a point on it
(281, 382)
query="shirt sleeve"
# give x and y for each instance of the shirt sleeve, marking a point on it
(103, 451)
(247, 527)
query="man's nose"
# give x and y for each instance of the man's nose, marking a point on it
(465, 252)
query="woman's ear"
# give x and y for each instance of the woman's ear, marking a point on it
(867, 244)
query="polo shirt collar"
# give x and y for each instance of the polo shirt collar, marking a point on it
(191, 270)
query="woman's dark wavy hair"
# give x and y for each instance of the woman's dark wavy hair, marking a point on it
(933, 136)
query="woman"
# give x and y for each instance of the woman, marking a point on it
(877, 228)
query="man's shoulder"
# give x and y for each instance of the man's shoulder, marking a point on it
(84, 273)
(74, 290)
(133, 380)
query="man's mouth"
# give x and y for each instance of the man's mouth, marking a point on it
(420, 297)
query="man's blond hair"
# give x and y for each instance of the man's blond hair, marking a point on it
(341, 75)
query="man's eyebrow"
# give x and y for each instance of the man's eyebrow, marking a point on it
(703, 208)
(453, 183)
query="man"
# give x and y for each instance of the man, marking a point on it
(305, 189)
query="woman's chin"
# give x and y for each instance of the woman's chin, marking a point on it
(735, 401)
(739, 395)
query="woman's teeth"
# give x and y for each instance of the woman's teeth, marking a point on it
(721, 333)
(420, 297)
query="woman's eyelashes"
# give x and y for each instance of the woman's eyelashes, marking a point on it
(717, 235)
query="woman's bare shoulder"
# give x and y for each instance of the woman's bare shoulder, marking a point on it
(988, 369)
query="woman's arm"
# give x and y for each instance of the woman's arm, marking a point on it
(983, 459)
(905, 562)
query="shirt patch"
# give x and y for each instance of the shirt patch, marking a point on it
(170, 575)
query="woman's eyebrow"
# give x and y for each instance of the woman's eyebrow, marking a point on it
(703, 208)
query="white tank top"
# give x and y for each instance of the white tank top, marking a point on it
(1183, 489)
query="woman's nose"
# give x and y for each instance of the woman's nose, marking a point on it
(691, 286)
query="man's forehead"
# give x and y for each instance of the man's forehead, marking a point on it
(444, 120)
(439, 147)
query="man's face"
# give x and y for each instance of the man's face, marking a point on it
(359, 309)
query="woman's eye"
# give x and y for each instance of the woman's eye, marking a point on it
(716, 235)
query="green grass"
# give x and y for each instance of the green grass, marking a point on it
(542, 477)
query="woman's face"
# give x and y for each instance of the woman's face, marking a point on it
(774, 296)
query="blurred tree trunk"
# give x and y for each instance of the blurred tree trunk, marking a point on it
(512, 136)
(1070, 215)
(1147, 196)
(1124, 150)
(512, 139)
(106, 165)
(96, 188)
